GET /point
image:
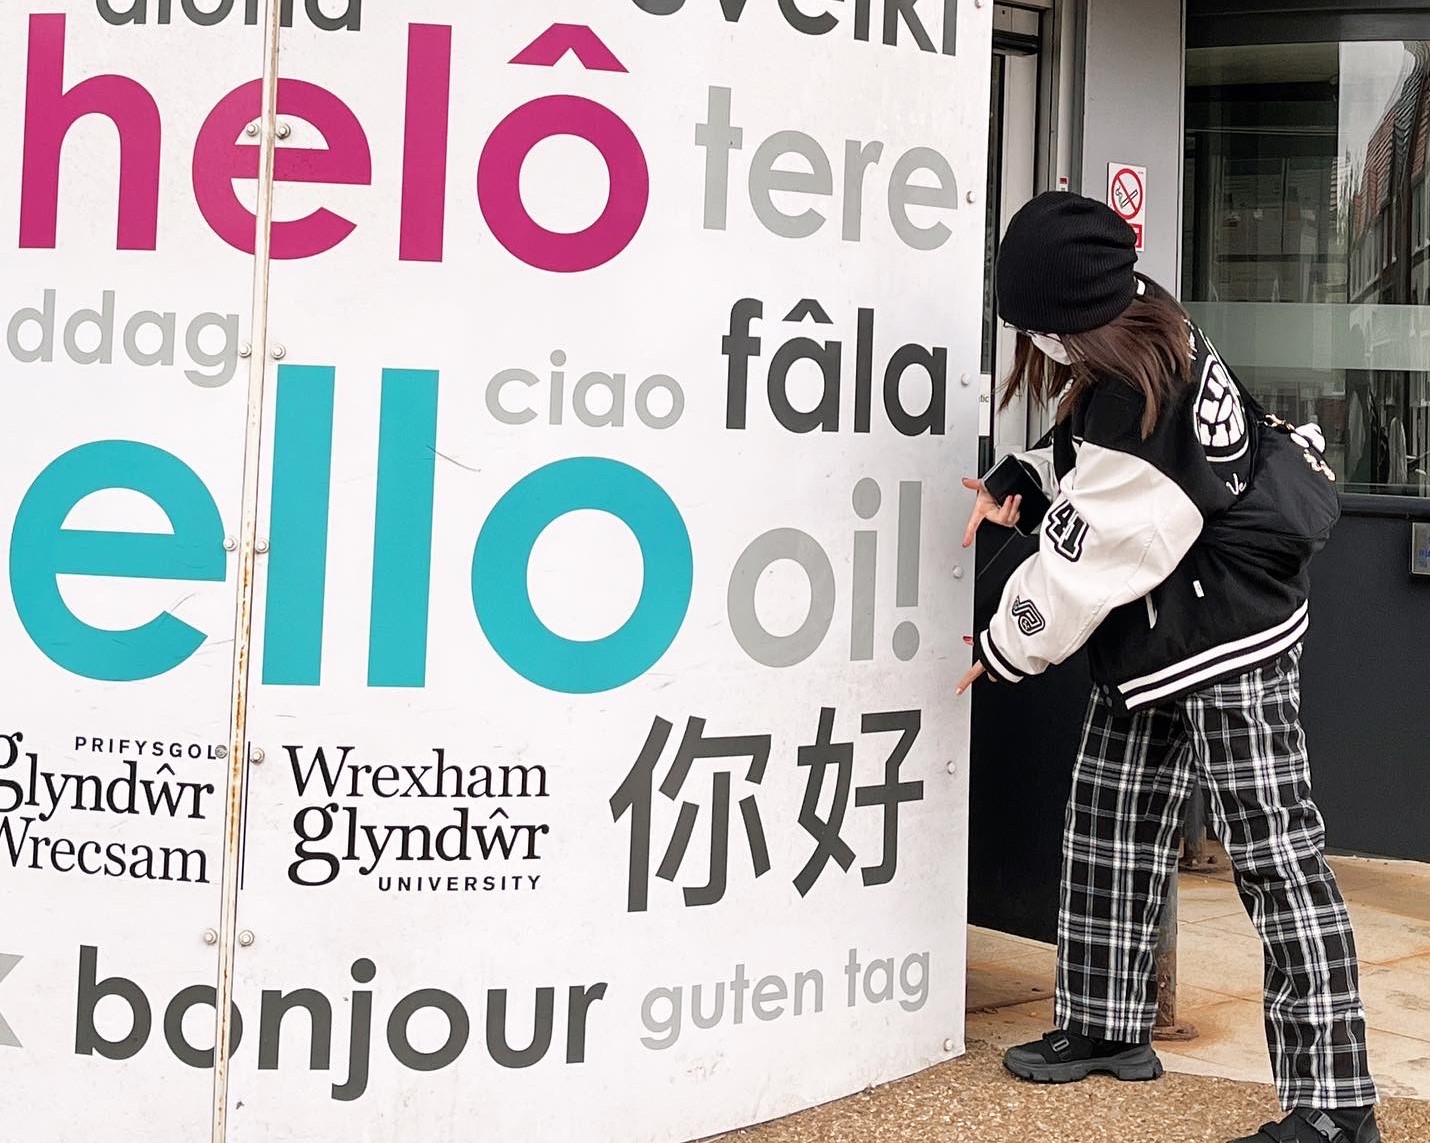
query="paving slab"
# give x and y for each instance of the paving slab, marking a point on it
(973, 1100)
(1217, 1087)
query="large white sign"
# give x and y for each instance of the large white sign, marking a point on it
(604, 778)
(120, 479)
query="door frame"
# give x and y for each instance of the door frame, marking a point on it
(1017, 172)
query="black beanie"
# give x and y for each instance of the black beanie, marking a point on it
(1065, 265)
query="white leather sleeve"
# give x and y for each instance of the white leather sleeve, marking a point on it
(1117, 529)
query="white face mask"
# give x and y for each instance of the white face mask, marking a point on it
(1052, 346)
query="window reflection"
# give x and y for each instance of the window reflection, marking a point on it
(1308, 240)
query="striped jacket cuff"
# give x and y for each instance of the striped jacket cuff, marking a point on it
(994, 661)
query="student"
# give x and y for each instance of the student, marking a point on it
(1176, 548)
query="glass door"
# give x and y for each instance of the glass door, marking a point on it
(1308, 240)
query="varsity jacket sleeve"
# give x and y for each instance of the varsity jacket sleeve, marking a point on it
(1040, 460)
(1120, 525)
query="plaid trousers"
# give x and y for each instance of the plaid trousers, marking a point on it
(1134, 774)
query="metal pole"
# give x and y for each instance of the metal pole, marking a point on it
(238, 754)
(1195, 833)
(1167, 1029)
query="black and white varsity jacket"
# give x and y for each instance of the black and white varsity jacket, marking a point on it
(1179, 560)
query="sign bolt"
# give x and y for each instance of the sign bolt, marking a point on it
(953, 767)
(283, 131)
(252, 130)
(230, 544)
(958, 572)
(261, 547)
(210, 937)
(948, 1046)
(222, 751)
(256, 756)
(278, 353)
(246, 938)
(245, 351)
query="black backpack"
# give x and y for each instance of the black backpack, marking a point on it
(1293, 494)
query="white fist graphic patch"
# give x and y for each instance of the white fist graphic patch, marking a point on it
(1221, 416)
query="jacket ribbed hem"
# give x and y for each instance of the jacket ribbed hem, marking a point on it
(1215, 664)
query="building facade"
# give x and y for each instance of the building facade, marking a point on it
(1284, 150)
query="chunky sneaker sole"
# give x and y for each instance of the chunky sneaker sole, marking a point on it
(1139, 1065)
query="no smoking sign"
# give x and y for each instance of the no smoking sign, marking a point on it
(1127, 194)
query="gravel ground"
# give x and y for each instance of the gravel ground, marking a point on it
(973, 1100)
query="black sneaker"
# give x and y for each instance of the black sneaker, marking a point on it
(1066, 1057)
(1305, 1125)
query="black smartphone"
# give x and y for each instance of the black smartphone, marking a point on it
(1014, 477)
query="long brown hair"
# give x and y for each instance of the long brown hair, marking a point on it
(1148, 347)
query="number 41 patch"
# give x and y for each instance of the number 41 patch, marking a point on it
(1067, 530)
